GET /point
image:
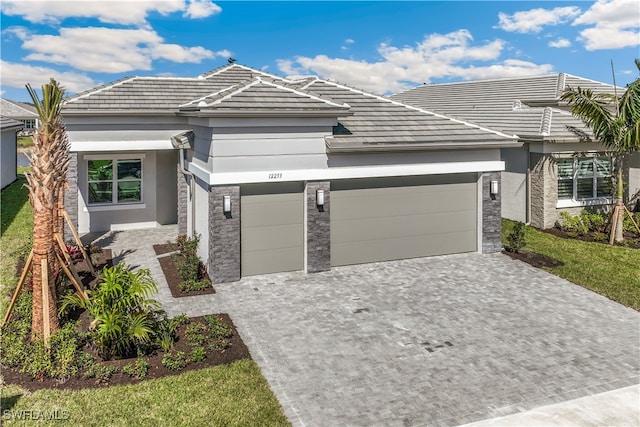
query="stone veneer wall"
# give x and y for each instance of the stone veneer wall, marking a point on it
(71, 195)
(544, 191)
(183, 200)
(491, 214)
(224, 235)
(318, 229)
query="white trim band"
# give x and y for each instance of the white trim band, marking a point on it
(227, 178)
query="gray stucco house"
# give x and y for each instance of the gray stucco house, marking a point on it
(23, 112)
(8, 149)
(282, 174)
(559, 166)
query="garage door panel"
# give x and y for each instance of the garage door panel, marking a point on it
(400, 248)
(403, 219)
(401, 226)
(380, 202)
(266, 213)
(255, 262)
(274, 237)
(271, 229)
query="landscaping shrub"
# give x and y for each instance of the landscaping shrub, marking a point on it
(628, 226)
(101, 372)
(174, 360)
(137, 370)
(516, 239)
(190, 269)
(124, 317)
(217, 328)
(195, 334)
(166, 332)
(573, 224)
(197, 354)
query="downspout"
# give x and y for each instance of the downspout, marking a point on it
(182, 142)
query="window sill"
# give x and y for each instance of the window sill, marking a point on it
(120, 207)
(570, 203)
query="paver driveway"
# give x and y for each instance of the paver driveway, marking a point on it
(432, 341)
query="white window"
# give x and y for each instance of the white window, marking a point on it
(29, 124)
(114, 181)
(581, 178)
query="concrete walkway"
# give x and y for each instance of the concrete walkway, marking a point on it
(434, 341)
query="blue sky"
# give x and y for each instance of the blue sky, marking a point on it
(379, 46)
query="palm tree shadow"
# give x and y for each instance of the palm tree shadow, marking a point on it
(9, 402)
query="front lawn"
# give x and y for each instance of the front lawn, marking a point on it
(230, 395)
(612, 271)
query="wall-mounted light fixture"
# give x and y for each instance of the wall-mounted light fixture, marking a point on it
(226, 204)
(320, 198)
(493, 188)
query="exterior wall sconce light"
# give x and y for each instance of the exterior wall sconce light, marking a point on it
(226, 204)
(493, 188)
(320, 198)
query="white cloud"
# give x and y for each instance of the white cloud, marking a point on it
(560, 43)
(110, 50)
(532, 21)
(615, 23)
(18, 75)
(437, 56)
(201, 9)
(133, 12)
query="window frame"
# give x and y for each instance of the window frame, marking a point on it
(595, 175)
(115, 204)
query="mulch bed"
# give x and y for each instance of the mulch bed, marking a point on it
(236, 351)
(534, 259)
(170, 271)
(632, 240)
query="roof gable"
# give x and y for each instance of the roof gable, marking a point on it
(17, 110)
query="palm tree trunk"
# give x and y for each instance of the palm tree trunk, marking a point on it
(619, 210)
(43, 249)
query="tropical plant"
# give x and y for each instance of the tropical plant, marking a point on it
(49, 163)
(516, 239)
(615, 122)
(124, 315)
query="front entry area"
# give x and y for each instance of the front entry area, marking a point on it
(271, 228)
(383, 219)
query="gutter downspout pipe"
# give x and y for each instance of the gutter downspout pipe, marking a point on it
(182, 142)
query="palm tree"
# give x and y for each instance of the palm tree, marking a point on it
(615, 122)
(49, 162)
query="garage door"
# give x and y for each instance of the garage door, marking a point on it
(271, 228)
(383, 219)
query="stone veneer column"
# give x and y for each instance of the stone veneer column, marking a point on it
(318, 229)
(71, 195)
(224, 235)
(544, 191)
(491, 217)
(183, 199)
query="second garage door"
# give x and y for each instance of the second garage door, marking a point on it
(271, 228)
(382, 219)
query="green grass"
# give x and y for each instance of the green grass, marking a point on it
(233, 395)
(16, 218)
(25, 141)
(612, 271)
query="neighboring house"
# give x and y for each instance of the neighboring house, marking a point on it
(280, 174)
(8, 150)
(559, 166)
(26, 113)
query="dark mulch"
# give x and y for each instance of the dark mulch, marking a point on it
(631, 240)
(535, 259)
(171, 272)
(236, 351)
(89, 281)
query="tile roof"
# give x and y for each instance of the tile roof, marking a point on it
(366, 121)
(17, 110)
(526, 106)
(7, 123)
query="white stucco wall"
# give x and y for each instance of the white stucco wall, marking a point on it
(8, 157)
(633, 161)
